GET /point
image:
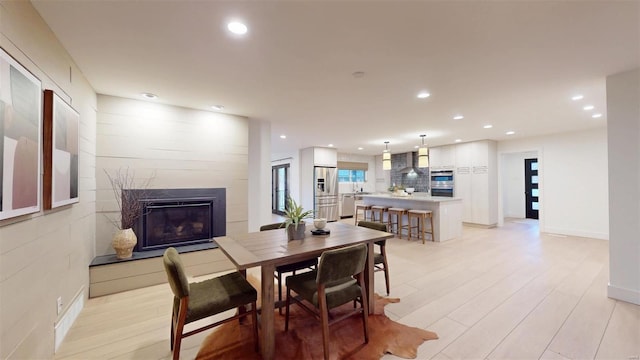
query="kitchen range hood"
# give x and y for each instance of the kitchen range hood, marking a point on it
(410, 168)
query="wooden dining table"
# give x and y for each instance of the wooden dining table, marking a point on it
(269, 249)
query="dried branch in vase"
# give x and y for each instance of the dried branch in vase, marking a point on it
(128, 201)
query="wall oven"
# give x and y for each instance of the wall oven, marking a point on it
(442, 183)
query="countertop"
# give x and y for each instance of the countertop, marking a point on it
(414, 197)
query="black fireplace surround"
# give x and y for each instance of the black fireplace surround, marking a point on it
(175, 217)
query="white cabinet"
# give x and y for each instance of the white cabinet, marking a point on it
(325, 157)
(442, 157)
(476, 181)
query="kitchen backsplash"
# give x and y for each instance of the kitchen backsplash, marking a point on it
(420, 181)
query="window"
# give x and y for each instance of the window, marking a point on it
(346, 175)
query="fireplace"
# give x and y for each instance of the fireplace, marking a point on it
(175, 217)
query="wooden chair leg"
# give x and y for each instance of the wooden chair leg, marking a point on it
(173, 328)
(279, 293)
(182, 316)
(386, 269)
(423, 223)
(286, 317)
(433, 231)
(324, 318)
(254, 320)
(365, 308)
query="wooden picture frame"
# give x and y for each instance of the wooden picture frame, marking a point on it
(61, 142)
(20, 139)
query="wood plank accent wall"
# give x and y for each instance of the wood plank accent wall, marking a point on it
(179, 147)
(45, 256)
(123, 276)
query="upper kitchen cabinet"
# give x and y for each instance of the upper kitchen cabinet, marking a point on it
(442, 157)
(477, 153)
(325, 157)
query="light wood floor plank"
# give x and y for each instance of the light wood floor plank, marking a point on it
(623, 325)
(580, 335)
(531, 337)
(502, 293)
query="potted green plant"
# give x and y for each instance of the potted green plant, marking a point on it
(294, 219)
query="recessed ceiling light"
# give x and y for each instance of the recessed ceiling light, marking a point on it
(330, 145)
(283, 136)
(510, 132)
(458, 117)
(588, 107)
(218, 107)
(360, 148)
(488, 126)
(423, 95)
(149, 95)
(416, 147)
(596, 115)
(458, 140)
(577, 97)
(237, 27)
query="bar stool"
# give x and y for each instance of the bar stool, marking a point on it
(399, 213)
(379, 210)
(421, 218)
(364, 209)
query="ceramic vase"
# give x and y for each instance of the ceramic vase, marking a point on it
(296, 234)
(123, 243)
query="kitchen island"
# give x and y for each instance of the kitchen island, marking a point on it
(447, 211)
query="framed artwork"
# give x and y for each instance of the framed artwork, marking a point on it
(20, 139)
(61, 123)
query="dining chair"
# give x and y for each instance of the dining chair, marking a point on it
(288, 268)
(379, 258)
(338, 279)
(198, 300)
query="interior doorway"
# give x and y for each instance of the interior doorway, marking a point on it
(532, 205)
(512, 192)
(279, 188)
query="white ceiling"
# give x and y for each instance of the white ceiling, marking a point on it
(514, 65)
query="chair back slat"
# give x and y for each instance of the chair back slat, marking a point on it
(341, 264)
(175, 273)
(272, 226)
(375, 226)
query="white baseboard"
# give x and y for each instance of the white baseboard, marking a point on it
(579, 233)
(63, 325)
(628, 295)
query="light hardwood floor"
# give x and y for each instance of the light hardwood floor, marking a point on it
(502, 293)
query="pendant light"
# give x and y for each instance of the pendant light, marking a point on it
(386, 157)
(423, 154)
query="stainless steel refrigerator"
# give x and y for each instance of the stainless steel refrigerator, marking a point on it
(325, 204)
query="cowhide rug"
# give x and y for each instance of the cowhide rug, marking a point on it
(304, 338)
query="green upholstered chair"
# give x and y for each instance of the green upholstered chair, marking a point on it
(331, 285)
(199, 300)
(379, 258)
(288, 268)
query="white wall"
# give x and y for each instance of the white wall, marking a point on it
(573, 181)
(512, 183)
(46, 255)
(183, 148)
(259, 174)
(623, 118)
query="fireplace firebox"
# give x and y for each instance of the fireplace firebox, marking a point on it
(175, 217)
